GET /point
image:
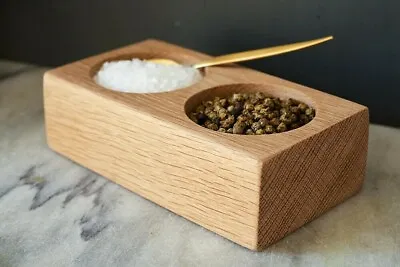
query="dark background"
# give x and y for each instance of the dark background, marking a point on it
(361, 64)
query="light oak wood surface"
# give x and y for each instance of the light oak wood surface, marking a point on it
(253, 190)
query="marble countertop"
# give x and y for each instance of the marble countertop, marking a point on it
(54, 212)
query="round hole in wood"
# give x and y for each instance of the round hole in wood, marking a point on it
(291, 107)
(179, 58)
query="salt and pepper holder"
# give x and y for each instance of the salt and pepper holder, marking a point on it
(252, 190)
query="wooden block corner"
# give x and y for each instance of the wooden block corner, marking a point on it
(303, 182)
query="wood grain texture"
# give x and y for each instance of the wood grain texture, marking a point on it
(304, 181)
(252, 190)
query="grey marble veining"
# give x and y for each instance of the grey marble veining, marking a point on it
(54, 212)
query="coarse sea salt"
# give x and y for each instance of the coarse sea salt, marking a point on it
(141, 76)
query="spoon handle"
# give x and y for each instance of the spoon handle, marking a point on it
(259, 53)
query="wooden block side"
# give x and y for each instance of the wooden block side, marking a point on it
(301, 183)
(208, 183)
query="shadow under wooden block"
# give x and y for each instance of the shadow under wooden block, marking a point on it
(253, 190)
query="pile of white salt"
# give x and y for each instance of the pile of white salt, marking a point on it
(141, 76)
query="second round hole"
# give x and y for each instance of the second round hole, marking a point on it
(250, 109)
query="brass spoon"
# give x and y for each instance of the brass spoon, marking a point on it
(248, 55)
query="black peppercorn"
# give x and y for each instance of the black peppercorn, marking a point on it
(269, 129)
(249, 106)
(295, 125)
(201, 118)
(208, 103)
(263, 122)
(252, 113)
(269, 103)
(249, 122)
(200, 108)
(281, 127)
(293, 117)
(271, 115)
(285, 118)
(228, 122)
(284, 111)
(295, 109)
(292, 102)
(309, 112)
(304, 118)
(274, 122)
(302, 107)
(237, 108)
(258, 116)
(246, 112)
(285, 104)
(260, 95)
(277, 103)
(258, 107)
(242, 118)
(217, 107)
(222, 113)
(239, 127)
(253, 100)
(264, 111)
(223, 102)
(260, 131)
(256, 126)
(211, 125)
(237, 97)
(249, 132)
(213, 117)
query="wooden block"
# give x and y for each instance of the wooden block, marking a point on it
(253, 190)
